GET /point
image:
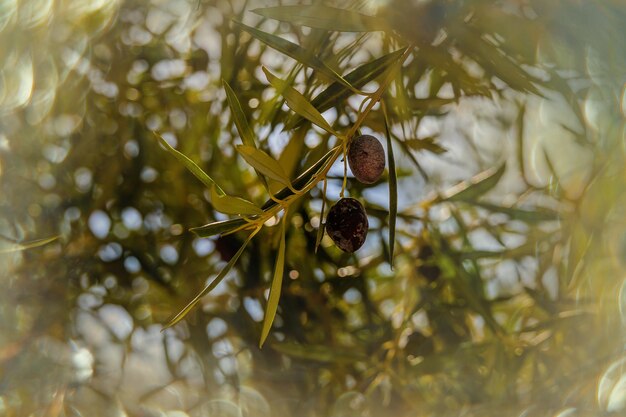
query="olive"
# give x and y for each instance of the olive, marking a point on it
(347, 224)
(366, 158)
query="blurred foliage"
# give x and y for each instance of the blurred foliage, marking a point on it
(506, 295)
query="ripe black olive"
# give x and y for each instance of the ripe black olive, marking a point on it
(347, 224)
(366, 158)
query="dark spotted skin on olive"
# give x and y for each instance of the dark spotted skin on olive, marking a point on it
(366, 158)
(347, 224)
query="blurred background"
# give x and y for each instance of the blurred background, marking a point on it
(507, 299)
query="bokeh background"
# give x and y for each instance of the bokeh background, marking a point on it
(506, 301)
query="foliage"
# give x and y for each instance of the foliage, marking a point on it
(490, 278)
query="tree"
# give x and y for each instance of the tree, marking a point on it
(486, 286)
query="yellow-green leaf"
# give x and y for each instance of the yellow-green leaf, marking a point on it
(17, 247)
(233, 205)
(239, 117)
(276, 285)
(297, 102)
(216, 228)
(477, 186)
(264, 163)
(324, 17)
(190, 165)
(181, 315)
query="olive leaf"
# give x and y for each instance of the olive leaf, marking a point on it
(297, 102)
(220, 227)
(181, 315)
(296, 52)
(393, 189)
(20, 246)
(233, 205)
(476, 186)
(276, 285)
(190, 165)
(324, 17)
(337, 93)
(264, 163)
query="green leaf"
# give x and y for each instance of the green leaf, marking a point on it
(294, 51)
(217, 228)
(277, 282)
(337, 93)
(534, 215)
(239, 117)
(303, 179)
(321, 227)
(297, 102)
(17, 247)
(393, 190)
(477, 186)
(426, 144)
(264, 163)
(233, 205)
(190, 165)
(181, 315)
(324, 17)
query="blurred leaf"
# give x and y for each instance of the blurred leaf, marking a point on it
(181, 315)
(337, 93)
(426, 144)
(477, 186)
(216, 228)
(233, 205)
(492, 60)
(190, 165)
(276, 285)
(297, 102)
(321, 353)
(17, 247)
(264, 163)
(535, 215)
(324, 17)
(393, 190)
(296, 52)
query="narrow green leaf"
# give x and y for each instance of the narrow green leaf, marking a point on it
(190, 165)
(393, 189)
(534, 215)
(294, 51)
(297, 102)
(337, 93)
(277, 282)
(264, 163)
(217, 228)
(239, 117)
(17, 247)
(233, 205)
(321, 227)
(303, 179)
(426, 144)
(181, 315)
(477, 186)
(324, 17)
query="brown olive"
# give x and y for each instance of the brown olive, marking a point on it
(366, 158)
(347, 224)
